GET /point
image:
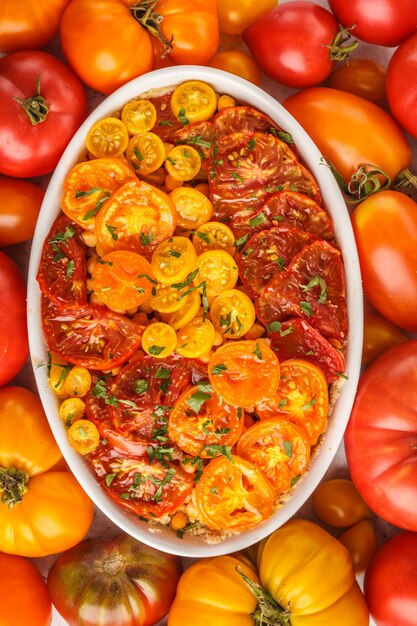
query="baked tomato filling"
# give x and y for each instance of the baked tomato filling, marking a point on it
(194, 306)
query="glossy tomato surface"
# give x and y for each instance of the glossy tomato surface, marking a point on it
(384, 418)
(236, 15)
(402, 92)
(20, 202)
(14, 346)
(362, 77)
(385, 227)
(391, 582)
(37, 81)
(382, 22)
(379, 335)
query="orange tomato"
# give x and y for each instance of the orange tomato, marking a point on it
(362, 77)
(236, 15)
(24, 597)
(20, 202)
(239, 63)
(362, 542)
(338, 503)
(244, 372)
(379, 335)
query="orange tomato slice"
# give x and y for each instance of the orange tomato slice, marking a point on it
(84, 436)
(183, 163)
(233, 494)
(89, 185)
(193, 208)
(121, 279)
(196, 339)
(302, 397)
(217, 270)
(159, 340)
(279, 448)
(193, 101)
(137, 217)
(244, 372)
(214, 236)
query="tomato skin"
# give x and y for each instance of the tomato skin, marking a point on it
(83, 583)
(350, 131)
(28, 150)
(294, 53)
(385, 227)
(362, 77)
(391, 582)
(362, 542)
(23, 581)
(20, 202)
(382, 22)
(379, 335)
(236, 15)
(29, 25)
(238, 63)
(384, 419)
(337, 503)
(14, 347)
(401, 92)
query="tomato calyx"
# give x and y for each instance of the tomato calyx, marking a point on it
(144, 13)
(337, 49)
(404, 179)
(35, 106)
(367, 180)
(13, 485)
(268, 612)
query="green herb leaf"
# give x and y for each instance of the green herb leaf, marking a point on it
(156, 350)
(309, 404)
(306, 308)
(109, 478)
(288, 448)
(141, 386)
(258, 352)
(258, 219)
(217, 370)
(274, 327)
(187, 281)
(295, 480)
(70, 268)
(182, 117)
(196, 401)
(112, 231)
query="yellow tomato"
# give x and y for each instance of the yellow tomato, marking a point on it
(232, 313)
(71, 409)
(107, 138)
(146, 153)
(173, 260)
(238, 63)
(77, 382)
(83, 436)
(167, 299)
(193, 101)
(57, 372)
(214, 236)
(236, 15)
(159, 340)
(139, 116)
(195, 339)
(193, 208)
(183, 163)
(217, 270)
(186, 313)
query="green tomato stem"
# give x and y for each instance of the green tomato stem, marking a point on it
(144, 13)
(367, 179)
(13, 485)
(338, 51)
(35, 106)
(268, 612)
(405, 178)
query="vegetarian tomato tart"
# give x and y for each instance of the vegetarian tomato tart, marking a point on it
(194, 309)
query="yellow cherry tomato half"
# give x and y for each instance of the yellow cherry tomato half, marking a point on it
(122, 279)
(186, 313)
(183, 163)
(193, 208)
(139, 116)
(195, 339)
(214, 236)
(146, 153)
(217, 270)
(167, 299)
(71, 409)
(77, 381)
(173, 260)
(159, 340)
(232, 313)
(193, 101)
(107, 138)
(83, 436)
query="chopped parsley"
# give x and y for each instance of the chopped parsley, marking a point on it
(155, 350)
(187, 281)
(258, 352)
(112, 231)
(146, 239)
(274, 327)
(141, 386)
(317, 280)
(182, 117)
(306, 308)
(70, 268)
(258, 219)
(219, 369)
(288, 448)
(138, 153)
(309, 404)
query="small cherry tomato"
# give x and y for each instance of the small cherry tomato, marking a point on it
(107, 138)
(72, 409)
(159, 340)
(379, 335)
(188, 311)
(218, 270)
(193, 101)
(167, 298)
(196, 339)
(232, 313)
(139, 116)
(362, 543)
(214, 236)
(83, 436)
(146, 153)
(338, 503)
(236, 15)
(362, 77)
(173, 260)
(238, 63)
(20, 202)
(193, 208)
(77, 382)
(183, 163)
(244, 372)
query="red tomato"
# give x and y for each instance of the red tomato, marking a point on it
(20, 202)
(383, 22)
(238, 63)
(21, 580)
(379, 335)
(29, 24)
(385, 227)
(384, 418)
(296, 50)
(391, 582)
(104, 582)
(362, 77)
(246, 119)
(42, 104)
(14, 347)
(401, 91)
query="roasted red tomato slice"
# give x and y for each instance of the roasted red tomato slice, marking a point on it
(199, 135)
(295, 338)
(286, 208)
(245, 168)
(249, 120)
(313, 287)
(90, 335)
(147, 488)
(62, 270)
(269, 252)
(166, 123)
